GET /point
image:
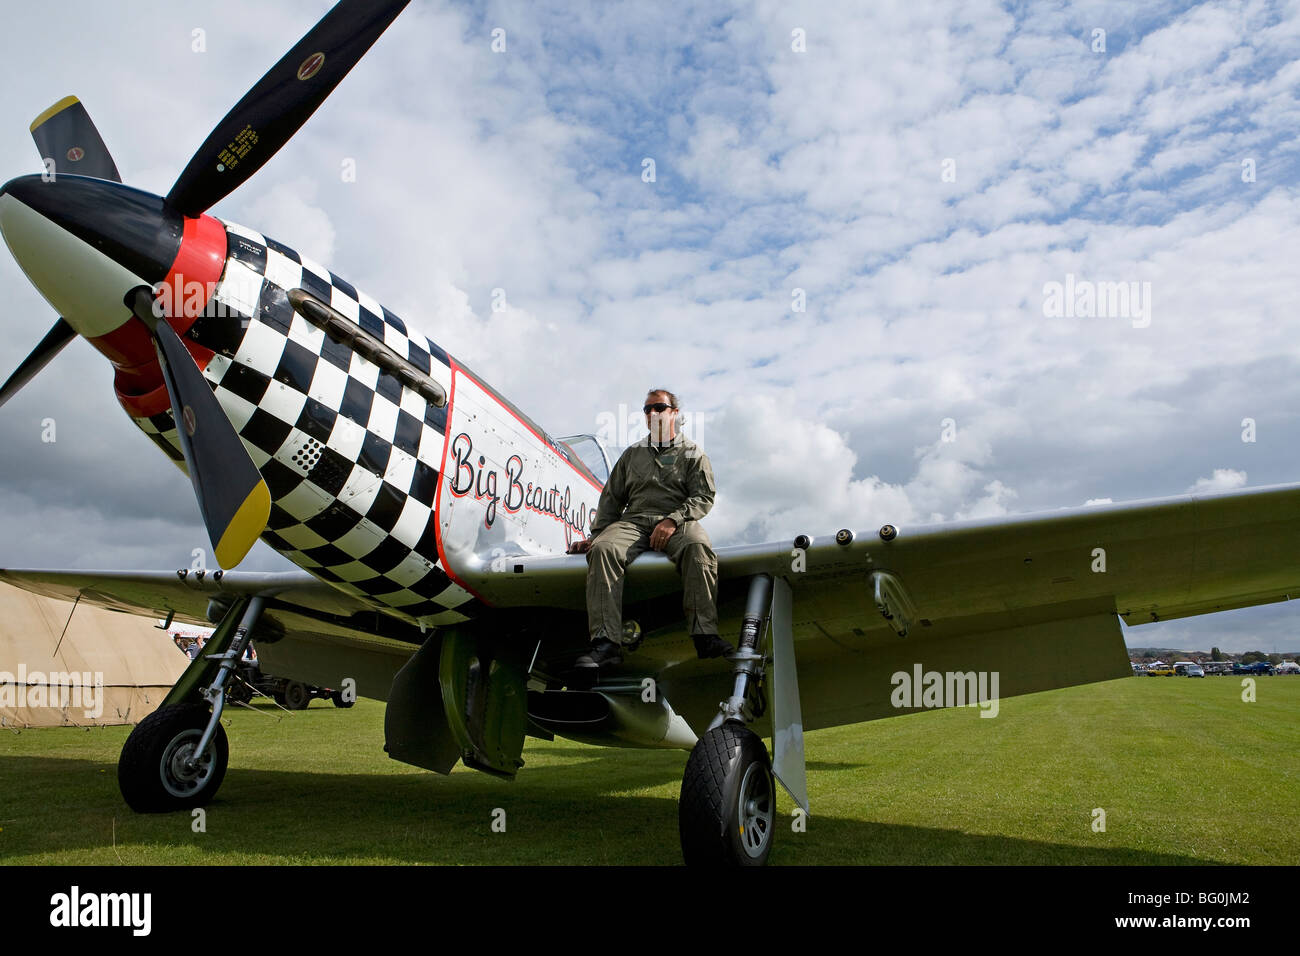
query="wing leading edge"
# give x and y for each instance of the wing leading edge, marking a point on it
(1036, 598)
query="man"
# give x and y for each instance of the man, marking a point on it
(656, 495)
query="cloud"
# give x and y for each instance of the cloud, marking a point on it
(289, 208)
(1223, 479)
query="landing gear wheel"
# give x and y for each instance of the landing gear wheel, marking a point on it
(296, 696)
(153, 772)
(727, 812)
(340, 700)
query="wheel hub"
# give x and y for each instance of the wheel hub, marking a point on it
(756, 809)
(183, 775)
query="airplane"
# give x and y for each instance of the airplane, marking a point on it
(430, 518)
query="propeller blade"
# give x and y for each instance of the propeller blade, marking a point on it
(65, 134)
(50, 346)
(232, 496)
(281, 101)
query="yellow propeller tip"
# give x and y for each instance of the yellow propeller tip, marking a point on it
(58, 107)
(245, 527)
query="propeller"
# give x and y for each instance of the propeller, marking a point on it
(64, 133)
(233, 498)
(66, 136)
(281, 101)
(50, 346)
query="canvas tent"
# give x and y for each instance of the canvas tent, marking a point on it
(110, 667)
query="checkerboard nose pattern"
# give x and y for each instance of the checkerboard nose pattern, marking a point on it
(350, 454)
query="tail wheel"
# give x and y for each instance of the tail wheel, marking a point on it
(727, 812)
(340, 700)
(296, 695)
(154, 771)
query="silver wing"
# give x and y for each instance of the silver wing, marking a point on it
(1036, 598)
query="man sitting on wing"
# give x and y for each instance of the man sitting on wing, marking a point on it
(656, 495)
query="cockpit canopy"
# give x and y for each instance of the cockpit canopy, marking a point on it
(591, 452)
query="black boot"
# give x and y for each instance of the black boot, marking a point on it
(710, 645)
(603, 653)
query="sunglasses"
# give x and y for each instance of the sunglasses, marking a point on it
(657, 407)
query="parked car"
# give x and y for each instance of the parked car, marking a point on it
(1259, 667)
(1163, 670)
(1195, 670)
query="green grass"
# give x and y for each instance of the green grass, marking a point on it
(1186, 772)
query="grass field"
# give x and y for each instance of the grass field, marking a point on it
(1185, 771)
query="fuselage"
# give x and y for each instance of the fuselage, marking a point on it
(387, 495)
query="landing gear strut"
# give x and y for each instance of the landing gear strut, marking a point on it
(175, 759)
(727, 812)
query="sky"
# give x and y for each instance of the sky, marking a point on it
(840, 232)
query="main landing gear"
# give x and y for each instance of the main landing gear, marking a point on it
(727, 811)
(175, 759)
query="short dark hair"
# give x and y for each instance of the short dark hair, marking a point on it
(672, 399)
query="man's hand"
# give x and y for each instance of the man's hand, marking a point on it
(662, 532)
(581, 546)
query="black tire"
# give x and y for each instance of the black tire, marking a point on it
(239, 692)
(727, 812)
(150, 771)
(339, 701)
(296, 695)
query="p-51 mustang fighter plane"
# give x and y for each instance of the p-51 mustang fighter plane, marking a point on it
(430, 517)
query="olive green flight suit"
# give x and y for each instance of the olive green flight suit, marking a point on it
(651, 482)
